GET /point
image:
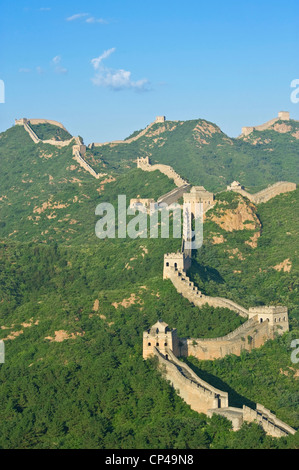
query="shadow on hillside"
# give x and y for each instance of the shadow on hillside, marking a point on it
(205, 273)
(234, 398)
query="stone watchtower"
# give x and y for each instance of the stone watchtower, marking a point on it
(160, 336)
(178, 261)
(284, 115)
(197, 195)
(142, 161)
(276, 316)
(160, 119)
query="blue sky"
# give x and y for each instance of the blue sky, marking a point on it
(107, 68)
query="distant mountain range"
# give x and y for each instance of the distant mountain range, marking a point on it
(201, 153)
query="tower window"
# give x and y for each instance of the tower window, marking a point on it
(157, 344)
(149, 344)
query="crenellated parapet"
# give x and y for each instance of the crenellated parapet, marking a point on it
(163, 343)
(78, 149)
(266, 194)
(282, 116)
(144, 164)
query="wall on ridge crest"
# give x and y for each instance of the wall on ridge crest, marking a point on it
(266, 194)
(78, 149)
(282, 116)
(144, 164)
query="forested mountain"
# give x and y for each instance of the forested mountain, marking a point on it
(201, 153)
(73, 307)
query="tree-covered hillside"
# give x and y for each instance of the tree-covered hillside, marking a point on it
(73, 307)
(200, 152)
(48, 131)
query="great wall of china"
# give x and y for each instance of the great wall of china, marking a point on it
(262, 323)
(282, 116)
(78, 149)
(266, 194)
(163, 343)
(159, 119)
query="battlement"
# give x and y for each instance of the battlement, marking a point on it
(265, 194)
(277, 316)
(162, 337)
(282, 116)
(199, 195)
(177, 261)
(142, 161)
(160, 119)
(21, 122)
(270, 423)
(235, 186)
(162, 342)
(146, 205)
(194, 391)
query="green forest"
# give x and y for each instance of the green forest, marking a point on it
(203, 155)
(73, 307)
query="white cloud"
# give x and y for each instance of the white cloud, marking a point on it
(119, 80)
(57, 67)
(56, 60)
(115, 79)
(77, 16)
(24, 70)
(92, 19)
(96, 62)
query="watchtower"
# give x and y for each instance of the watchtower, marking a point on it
(142, 161)
(199, 195)
(277, 317)
(160, 336)
(21, 122)
(284, 115)
(160, 119)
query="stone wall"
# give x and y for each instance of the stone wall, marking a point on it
(282, 115)
(187, 289)
(167, 170)
(267, 193)
(32, 134)
(174, 195)
(276, 316)
(262, 324)
(128, 141)
(160, 119)
(194, 391)
(270, 423)
(251, 334)
(77, 156)
(199, 195)
(198, 394)
(47, 121)
(248, 336)
(57, 143)
(77, 150)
